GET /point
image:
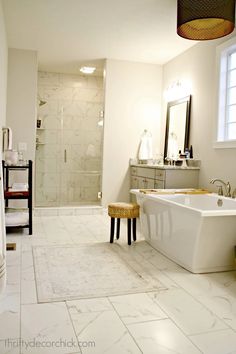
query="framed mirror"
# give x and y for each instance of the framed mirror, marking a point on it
(177, 127)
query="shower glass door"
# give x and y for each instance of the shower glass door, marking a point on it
(69, 140)
(80, 156)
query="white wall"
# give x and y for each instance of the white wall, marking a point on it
(22, 98)
(132, 104)
(198, 65)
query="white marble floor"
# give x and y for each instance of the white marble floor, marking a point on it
(192, 314)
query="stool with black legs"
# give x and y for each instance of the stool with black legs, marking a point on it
(117, 211)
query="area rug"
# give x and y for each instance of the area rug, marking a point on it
(91, 270)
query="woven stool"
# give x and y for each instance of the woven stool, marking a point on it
(123, 211)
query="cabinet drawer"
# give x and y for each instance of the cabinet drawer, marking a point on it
(158, 184)
(146, 172)
(134, 182)
(133, 171)
(145, 183)
(160, 174)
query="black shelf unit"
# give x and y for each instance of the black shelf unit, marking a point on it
(27, 195)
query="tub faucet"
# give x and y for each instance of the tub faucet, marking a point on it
(169, 161)
(226, 185)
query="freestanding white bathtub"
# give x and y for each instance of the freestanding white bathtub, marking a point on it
(196, 231)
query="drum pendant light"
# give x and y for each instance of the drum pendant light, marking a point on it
(205, 19)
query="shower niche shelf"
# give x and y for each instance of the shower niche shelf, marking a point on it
(39, 144)
(10, 194)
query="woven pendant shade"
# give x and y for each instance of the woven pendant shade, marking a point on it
(205, 19)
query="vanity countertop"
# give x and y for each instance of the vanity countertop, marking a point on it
(165, 167)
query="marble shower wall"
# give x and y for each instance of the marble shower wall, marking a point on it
(69, 122)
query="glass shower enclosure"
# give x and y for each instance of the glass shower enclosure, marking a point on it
(69, 140)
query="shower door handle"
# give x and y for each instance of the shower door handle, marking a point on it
(65, 156)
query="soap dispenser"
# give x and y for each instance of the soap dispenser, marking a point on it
(191, 152)
(187, 153)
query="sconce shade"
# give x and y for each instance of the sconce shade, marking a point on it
(205, 19)
(41, 103)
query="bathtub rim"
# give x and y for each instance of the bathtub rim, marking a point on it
(205, 213)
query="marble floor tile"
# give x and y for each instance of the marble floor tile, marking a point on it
(13, 258)
(15, 237)
(161, 337)
(47, 323)
(13, 279)
(75, 227)
(189, 314)
(103, 332)
(26, 257)
(35, 241)
(89, 305)
(9, 315)
(28, 286)
(156, 258)
(195, 284)
(82, 237)
(10, 346)
(223, 305)
(136, 308)
(220, 342)
(165, 280)
(82, 312)
(215, 291)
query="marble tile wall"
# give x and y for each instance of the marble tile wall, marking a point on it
(69, 122)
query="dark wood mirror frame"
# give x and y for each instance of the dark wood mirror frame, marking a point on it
(186, 100)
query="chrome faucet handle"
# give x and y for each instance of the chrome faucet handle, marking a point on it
(228, 190)
(234, 193)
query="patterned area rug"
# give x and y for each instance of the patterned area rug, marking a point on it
(91, 270)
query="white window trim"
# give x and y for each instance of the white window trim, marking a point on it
(222, 52)
(229, 144)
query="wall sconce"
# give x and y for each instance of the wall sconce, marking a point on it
(87, 69)
(205, 19)
(178, 89)
(41, 102)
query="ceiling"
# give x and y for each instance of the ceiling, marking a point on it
(71, 33)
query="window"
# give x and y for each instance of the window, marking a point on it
(230, 106)
(226, 132)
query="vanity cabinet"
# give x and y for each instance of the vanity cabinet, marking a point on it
(162, 177)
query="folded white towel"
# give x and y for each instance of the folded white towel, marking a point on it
(19, 187)
(145, 149)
